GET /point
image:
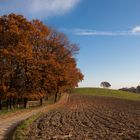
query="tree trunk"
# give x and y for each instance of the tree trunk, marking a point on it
(18, 102)
(55, 98)
(13, 102)
(41, 102)
(47, 98)
(7, 103)
(56, 94)
(25, 102)
(0, 104)
(10, 102)
(60, 94)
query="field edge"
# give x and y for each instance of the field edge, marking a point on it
(107, 92)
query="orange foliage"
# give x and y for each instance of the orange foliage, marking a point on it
(35, 59)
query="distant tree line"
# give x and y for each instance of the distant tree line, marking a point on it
(36, 61)
(132, 89)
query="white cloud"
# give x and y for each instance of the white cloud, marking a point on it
(136, 30)
(51, 7)
(90, 32)
(38, 8)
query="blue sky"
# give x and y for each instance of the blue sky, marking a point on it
(107, 31)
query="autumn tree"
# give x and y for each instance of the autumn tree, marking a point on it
(58, 53)
(36, 60)
(63, 51)
(16, 50)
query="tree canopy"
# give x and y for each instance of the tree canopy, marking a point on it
(105, 84)
(35, 60)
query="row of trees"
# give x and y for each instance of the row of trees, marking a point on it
(106, 84)
(35, 61)
(132, 89)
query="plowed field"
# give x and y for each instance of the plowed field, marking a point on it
(89, 118)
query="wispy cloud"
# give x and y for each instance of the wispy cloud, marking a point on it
(136, 30)
(90, 32)
(37, 8)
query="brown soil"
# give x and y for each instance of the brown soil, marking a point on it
(89, 118)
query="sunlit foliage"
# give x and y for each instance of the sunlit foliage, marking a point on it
(35, 60)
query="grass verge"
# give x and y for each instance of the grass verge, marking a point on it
(108, 93)
(6, 112)
(22, 129)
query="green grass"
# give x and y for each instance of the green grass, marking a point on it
(22, 129)
(6, 112)
(107, 92)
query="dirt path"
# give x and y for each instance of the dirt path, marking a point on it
(9, 123)
(89, 118)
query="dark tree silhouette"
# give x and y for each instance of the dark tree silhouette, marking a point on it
(105, 84)
(138, 89)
